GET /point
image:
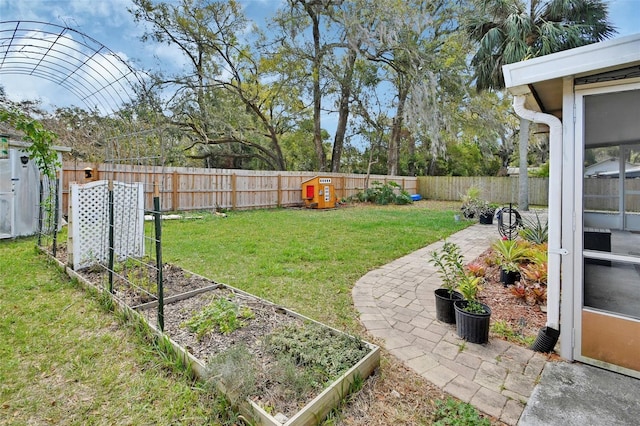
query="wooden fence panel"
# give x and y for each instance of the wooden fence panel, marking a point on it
(190, 188)
(604, 194)
(501, 190)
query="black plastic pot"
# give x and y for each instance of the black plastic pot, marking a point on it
(546, 340)
(486, 219)
(474, 328)
(509, 277)
(444, 305)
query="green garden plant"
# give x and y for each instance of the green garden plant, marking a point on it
(471, 203)
(450, 264)
(40, 140)
(388, 193)
(469, 286)
(220, 315)
(510, 254)
(534, 230)
(504, 330)
(318, 347)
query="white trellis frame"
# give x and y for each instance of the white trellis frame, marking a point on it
(89, 222)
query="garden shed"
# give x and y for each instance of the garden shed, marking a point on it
(589, 97)
(20, 189)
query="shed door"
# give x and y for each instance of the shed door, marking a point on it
(608, 230)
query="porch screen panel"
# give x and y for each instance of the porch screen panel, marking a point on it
(611, 207)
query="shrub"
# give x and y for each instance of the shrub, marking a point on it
(388, 193)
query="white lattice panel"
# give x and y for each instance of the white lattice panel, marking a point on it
(90, 222)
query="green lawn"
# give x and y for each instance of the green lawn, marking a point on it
(65, 360)
(306, 260)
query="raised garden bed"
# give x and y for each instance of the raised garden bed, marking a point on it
(280, 367)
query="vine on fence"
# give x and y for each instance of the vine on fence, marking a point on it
(41, 140)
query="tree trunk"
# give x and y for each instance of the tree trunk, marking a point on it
(411, 165)
(317, 95)
(393, 159)
(523, 193)
(343, 112)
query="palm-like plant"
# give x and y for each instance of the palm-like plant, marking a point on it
(514, 30)
(510, 31)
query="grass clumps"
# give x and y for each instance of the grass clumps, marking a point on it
(222, 315)
(504, 330)
(452, 412)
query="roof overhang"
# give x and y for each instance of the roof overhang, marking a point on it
(541, 78)
(19, 144)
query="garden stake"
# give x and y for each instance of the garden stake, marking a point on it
(40, 213)
(56, 215)
(158, 228)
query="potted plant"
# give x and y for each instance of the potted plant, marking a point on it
(450, 266)
(509, 255)
(472, 316)
(486, 211)
(470, 203)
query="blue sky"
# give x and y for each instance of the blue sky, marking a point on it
(109, 22)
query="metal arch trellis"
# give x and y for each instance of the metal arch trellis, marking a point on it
(102, 81)
(73, 60)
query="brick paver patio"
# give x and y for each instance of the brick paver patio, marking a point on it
(396, 303)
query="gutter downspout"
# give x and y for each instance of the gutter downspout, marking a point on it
(555, 205)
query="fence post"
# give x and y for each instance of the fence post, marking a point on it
(174, 191)
(279, 201)
(233, 191)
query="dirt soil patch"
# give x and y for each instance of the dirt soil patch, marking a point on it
(279, 387)
(523, 317)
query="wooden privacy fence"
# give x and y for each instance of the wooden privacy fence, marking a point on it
(189, 188)
(501, 190)
(604, 194)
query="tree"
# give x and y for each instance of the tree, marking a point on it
(229, 94)
(315, 35)
(510, 31)
(405, 39)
